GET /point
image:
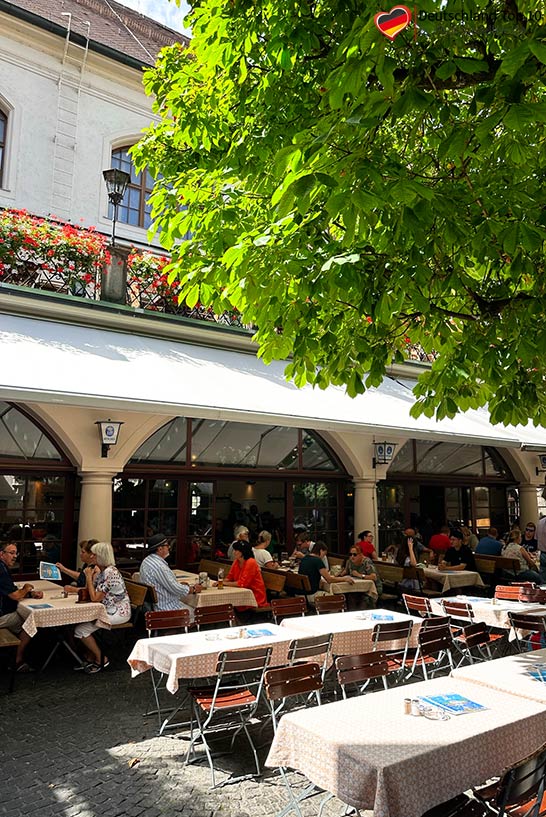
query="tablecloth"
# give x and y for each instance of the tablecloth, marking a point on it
(454, 578)
(493, 612)
(509, 675)
(372, 756)
(60, 611)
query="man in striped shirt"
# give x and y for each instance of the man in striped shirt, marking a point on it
(154, 570)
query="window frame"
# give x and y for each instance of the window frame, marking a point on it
(3, 145)
(117, 160)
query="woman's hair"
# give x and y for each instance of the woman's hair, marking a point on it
(87, 544)
(402, 553)
(239, 530)
(514, 535)
(245, 548)
(264, 536)
(104, 553)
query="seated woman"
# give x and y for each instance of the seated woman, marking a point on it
(245, 572)
(261, 552)
(361, 567)
(527, 567)
(87, 558)
(405, 557)
(105, 584)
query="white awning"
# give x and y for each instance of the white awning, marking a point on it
(48, 362)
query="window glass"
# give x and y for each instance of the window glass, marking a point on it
(3, 129)
(21, 438)
(168, 444)
(134, 209)
(403, 460)
(315, 510)
(315, 455)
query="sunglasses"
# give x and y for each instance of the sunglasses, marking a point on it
(353, 554)
(529, 530)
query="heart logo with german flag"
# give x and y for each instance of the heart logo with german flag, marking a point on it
(391, 23)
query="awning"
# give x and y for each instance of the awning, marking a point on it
(66, 364)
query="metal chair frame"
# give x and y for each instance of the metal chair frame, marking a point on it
(229, 705)
(155, 622)
(520, 788)
(529, 623)
(283, 608)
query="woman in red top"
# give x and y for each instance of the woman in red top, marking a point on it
(245, 572)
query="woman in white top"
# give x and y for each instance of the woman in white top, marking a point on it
(261, 554)
(527, 567)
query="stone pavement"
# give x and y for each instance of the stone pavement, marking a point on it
(76, 745)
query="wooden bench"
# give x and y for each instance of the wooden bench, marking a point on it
(274, 581)
(298, 583)
(9, 641)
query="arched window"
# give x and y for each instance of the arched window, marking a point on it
(451, 459)
(37, 484)
(134, 209)
(3, 134)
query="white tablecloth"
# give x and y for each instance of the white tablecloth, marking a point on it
(60, 611)
(352, 631)
(493, 612)
(372, 756)
(509, 675)
(195, 655)
(449, 579)
(238, 596)
(358, 586)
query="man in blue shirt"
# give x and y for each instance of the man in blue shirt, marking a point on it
(10, 595)
(154, 570)
(489, 545)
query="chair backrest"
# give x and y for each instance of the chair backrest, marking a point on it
(241, 661)
(274, 580)
(392, 631)
(433, 622)
(282, 608)
(305, 648)
(138, 594)
(331, 604)
(167, 620)
(521, 784)
(389, 574)
(417, 605)
(476, 635)
(509, 563)
(484, 566)
(215, 614)
(527, 622)
(458, 609)
(434, 640)
(298, 582)
(507, 592)
(336, 561)
(299, 679)
(355, 669)
(532, 593)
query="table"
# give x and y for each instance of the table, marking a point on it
(494, 613)
(352, 631)
(238, 596)
(60, 611)
(195, 655)
(359, 586)
(371, 755)
(508, 675)
(450, 579)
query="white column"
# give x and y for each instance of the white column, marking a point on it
(365, 489)
(528, 505)
(96, 506)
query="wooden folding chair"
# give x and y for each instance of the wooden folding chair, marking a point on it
(305, 649)
(398, 634)
(462, 616)
(215, 614)
(508, 592)
(170, 621)
(361, 669)
(282, 608)
(231, 703)
(433, 653)
(520, 789)
(524, 625)
(417, 605)
(334, 603)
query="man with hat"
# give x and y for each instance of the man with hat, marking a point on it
(154, 570)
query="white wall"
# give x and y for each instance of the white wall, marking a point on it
(111, 107)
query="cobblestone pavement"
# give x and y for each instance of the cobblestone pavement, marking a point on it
(76, 745)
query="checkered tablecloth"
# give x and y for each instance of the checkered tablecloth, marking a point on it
(238, 596)
(371, 755)
(455, 578)
(510, 675)
(59, 611)
(195, 655)
(493, 612)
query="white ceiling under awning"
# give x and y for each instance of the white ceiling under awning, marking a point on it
(66, 364)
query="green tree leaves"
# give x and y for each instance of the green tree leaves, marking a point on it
(353, 197)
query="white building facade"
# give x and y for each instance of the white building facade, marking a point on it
(210, 435)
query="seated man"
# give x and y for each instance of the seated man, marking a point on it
(9, 597)
(312, 566)
(489, 545)
(458, 556)
(154, 570)
(361, 567)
